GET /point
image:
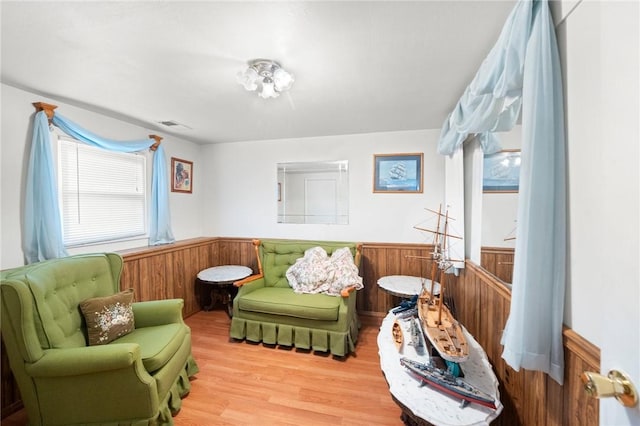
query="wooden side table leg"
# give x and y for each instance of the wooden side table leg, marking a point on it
(229, 304)
(232, 291)
(212, 295)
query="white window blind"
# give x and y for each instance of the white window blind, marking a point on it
(103, 193)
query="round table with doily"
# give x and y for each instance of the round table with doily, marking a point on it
(221, 279)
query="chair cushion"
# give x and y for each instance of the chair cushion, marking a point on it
(158, 344)
(58, 286)
(108, 317)
(284, 301)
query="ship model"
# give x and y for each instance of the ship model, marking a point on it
(444, 381)
(438, 324)
(398, 337)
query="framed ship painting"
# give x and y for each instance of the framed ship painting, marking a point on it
(501, 172)
(181, 175)
(400, 173)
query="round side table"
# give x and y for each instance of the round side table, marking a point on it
(405, 286)
(221, 279)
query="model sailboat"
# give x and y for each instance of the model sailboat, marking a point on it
(438, 324)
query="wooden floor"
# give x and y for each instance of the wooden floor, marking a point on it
(241, 383)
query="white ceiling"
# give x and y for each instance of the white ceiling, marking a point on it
(360, 67)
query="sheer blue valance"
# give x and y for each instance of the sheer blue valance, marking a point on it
(522, 71)
(42, 227)
(83, 135)
(491, 103)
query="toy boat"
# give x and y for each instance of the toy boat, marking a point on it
(447, 383)
(398, 337)
(416, 339)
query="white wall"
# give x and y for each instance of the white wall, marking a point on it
(241, 187)
(599, 45)
(15, 142)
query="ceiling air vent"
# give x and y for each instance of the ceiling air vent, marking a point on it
(174, 125)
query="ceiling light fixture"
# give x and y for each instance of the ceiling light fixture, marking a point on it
(267, 74)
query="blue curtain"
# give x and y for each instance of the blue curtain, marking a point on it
(160, 223)
(42, 225)
(523, 70)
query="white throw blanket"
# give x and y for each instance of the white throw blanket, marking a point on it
(316, 272)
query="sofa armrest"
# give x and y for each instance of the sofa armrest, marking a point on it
(345, 291)
(94, 382)
(249, 279)
(250, 286)
(84, 360)
(157, 312)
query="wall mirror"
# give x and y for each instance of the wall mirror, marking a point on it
(494, 213)
(313, 192)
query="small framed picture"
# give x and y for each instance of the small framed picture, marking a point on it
(181, 175)
(501, 171)
(401, 173)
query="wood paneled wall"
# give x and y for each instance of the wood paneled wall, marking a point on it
(482, 305)
(380, 260)
(170, 271)
(498, 261)
(9, 393)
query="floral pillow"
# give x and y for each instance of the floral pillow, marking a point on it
(108, 317)
(309, 273)
(316, 272)
(343, 272)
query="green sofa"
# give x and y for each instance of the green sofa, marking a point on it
(136, 379)
(266, 308)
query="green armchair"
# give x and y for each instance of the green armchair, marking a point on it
(266, 308)
(136, 379)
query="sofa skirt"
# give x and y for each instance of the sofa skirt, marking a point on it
(173, 401)
(339, 343)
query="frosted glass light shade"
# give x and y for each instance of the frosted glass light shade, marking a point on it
(268, 89)
(248, 79)
(282, 80)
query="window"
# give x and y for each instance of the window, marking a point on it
(102, 193)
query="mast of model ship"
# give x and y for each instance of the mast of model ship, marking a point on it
(443, 265)
(436, 254)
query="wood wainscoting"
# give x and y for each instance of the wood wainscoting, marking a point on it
(498, 261)
(384, 259)
(169, 271)
(529, 398)
(482, 305)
